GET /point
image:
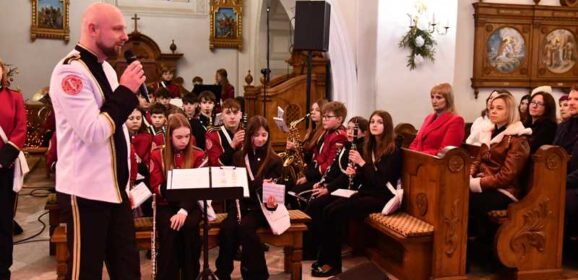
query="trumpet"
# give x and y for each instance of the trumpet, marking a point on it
(153, 239)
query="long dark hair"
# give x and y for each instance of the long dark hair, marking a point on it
(315, 130)
(254, 124)
(549, 108)
(176, 121)
(386, 143)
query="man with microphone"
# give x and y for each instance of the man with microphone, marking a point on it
(92, 174)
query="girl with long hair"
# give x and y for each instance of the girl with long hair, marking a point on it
(262, 163)
(177, 222)
(380, 164)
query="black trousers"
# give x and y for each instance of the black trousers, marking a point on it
(571, 212)
(178, 251)
(7, 211)
(294, 202)
(480, 204)
(100, 232)
(334, 219)
(234, 234)
(313, 236)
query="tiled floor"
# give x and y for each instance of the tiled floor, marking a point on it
(32, 261)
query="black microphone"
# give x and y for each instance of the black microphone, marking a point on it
(130, 57)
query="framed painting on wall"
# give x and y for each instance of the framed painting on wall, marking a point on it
(524, 46)
(50, 19)
(226, 24)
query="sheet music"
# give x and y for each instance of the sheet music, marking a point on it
(177, 102)
(192, 178)
(280, 120)
(140, 194)
(278, 220)
(275, 190)
(229, 176)
(343, 193)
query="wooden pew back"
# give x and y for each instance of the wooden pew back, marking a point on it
(436, 191)
(531, 237)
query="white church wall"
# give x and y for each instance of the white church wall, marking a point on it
(401, 92)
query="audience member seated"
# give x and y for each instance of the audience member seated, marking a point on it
(523, 107)
(566, 137)
(496, 171)
(482, 121)
(227, 90)
(442, 128)
(380, 164)
(564, 112)
(541, 117)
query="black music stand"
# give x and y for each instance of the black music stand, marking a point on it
(205, 194)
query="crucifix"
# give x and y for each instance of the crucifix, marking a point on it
(135, 18)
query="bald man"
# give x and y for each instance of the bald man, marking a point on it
(92, 174)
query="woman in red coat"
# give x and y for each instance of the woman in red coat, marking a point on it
(177, 222)
(13, 123)
(442, 128)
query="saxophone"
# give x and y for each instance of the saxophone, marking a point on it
(293, 163)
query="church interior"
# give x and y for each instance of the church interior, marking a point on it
(373, 61)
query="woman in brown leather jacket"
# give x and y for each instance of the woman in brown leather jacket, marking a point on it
(495, 173)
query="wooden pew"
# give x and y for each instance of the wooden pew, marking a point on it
(291, 241)
(427, 239)
(530, 239)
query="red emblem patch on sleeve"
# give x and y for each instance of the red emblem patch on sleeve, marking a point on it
(72, 84)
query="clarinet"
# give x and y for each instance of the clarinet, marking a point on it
(353, 148)
(237, 204)
(153, 239)
(324, 177)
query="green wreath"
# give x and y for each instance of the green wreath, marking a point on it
(421, 43)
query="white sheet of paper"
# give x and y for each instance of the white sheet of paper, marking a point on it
(139, 176)
(140, 194)
(281, 124)
(278, 220)
(275, 190)
(177, 102)
(193, 178)
(229, 176)
(280, 112)
(343, 193)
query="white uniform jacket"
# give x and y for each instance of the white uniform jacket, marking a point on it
(90, 109)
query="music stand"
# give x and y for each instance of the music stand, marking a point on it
(205, 194)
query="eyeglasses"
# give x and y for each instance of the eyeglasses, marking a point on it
(536, 103)
(329, 116)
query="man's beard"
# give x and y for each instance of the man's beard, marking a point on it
(110, 52)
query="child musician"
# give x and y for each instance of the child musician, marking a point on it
(190, 105)
(333, 179)
(158, 123)
(178, 223)
(262, 163)
(314, 133)
(205, 118)
(380, 164)
(333, 116)
(222, 142)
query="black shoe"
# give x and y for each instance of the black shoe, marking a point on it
(17, 229)
(315, 265)
(325, 271)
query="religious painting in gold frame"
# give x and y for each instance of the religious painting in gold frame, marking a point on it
(226, 24)
(50, 19)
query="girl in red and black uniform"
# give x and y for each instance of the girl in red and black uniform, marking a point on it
(13, 122)
(177, 223)
(261, 163)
